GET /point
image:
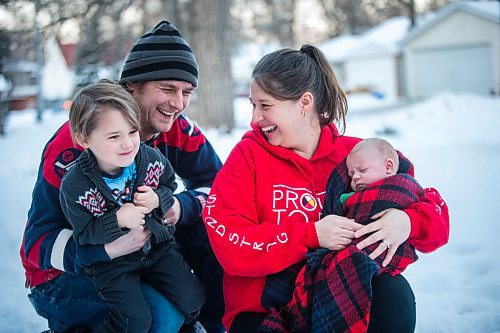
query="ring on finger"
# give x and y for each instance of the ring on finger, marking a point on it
(386, 244)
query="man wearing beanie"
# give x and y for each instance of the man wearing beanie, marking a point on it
(161, 73)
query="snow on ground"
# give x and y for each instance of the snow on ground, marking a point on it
(454, 142)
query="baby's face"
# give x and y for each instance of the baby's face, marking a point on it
(366, 165)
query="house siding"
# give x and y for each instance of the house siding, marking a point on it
(458, 31)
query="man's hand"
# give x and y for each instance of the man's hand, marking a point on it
(146, 197)
(174, 214)
(128, 243)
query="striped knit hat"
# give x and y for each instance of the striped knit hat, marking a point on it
(161, 54)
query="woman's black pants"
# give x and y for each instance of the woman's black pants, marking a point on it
(393, 309)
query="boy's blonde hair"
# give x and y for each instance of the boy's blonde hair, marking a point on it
(97, 98)
(381, 145)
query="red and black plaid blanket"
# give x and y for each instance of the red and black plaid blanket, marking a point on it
(332, 291)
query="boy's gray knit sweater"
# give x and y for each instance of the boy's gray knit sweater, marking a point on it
(90, 207)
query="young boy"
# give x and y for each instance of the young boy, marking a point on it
(116, 185)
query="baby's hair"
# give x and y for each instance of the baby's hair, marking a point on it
(97, 98)
(382, 145)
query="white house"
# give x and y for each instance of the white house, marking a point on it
(22, 75)
(369, 62)
(458, 50)
(58, 79)
(337, 50)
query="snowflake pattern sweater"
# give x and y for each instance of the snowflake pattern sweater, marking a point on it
(90, 206)
(261, 212)
(48, 247)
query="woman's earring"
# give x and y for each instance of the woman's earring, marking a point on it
(303, 113)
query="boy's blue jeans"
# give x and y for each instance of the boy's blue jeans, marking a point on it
(70, 301)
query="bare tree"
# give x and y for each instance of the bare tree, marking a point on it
(4, 47)
(103, 38)
(281, 19)
(356, 16)
(433, 5)
(210, 37)
(410, 8)
(349, 16)
(159, 10)
(4, 54)
(272, 20)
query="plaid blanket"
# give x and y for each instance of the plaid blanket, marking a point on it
(331, 290)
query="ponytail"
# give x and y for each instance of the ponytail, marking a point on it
(287, 74)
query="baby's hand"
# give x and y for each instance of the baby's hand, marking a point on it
(131, 216)
(146, 197)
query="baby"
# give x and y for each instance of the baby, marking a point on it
(371, 160)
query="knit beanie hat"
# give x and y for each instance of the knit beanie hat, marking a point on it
(161, 54)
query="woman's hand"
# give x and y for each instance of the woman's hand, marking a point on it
(391, 229)
(336, 232)
(128, 243)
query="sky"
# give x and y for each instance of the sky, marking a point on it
(454, 142)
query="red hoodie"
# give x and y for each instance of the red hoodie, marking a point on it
(264, 202)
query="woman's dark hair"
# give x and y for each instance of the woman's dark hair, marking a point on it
(287, 74)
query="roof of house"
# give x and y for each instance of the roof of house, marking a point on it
(488, 10)
(337, 49)
(388, 37)
(68, 52)
(381, 39)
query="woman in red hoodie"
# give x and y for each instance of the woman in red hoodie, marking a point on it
(264, 210)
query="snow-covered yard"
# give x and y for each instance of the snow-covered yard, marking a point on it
(454, 142)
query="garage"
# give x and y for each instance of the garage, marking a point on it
(459, 69)
(456, 51)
